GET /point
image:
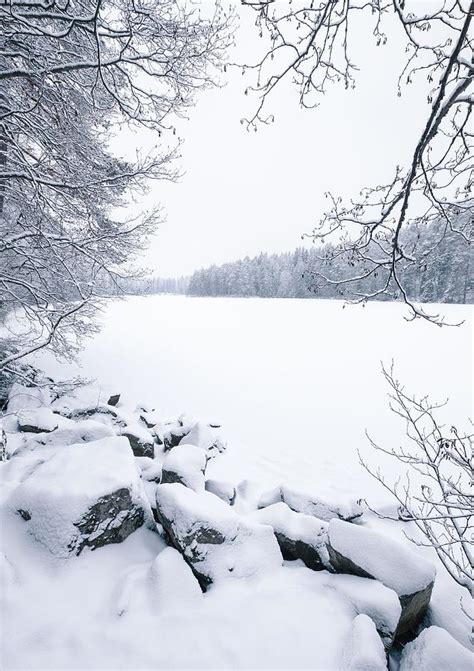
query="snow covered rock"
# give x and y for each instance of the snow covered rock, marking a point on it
(224, 490)
(150, 469)
(22, 397)
(85, 495)
(370, 554)
(313, 504)
(216, 543)
(299, 536)
(364, 650)
(172, 436)
(85, 430)
(202, 436)
(370, 597)
(41, 420)
(436, 650)
(185, 464)
(140, 440)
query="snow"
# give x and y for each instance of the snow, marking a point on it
(294, 383)
(85, 430)
(393, 563)
(436, 650)
(62, 489)
(42, 419)
(22, 398)
(243, 549)
(188, 463)
(364, 650)
(313, 504)
(296, 526)
(371, 598)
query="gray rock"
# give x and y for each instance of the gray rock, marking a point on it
(142, 444)
(114, 399)
(186, 465)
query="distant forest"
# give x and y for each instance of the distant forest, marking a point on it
(443, 273)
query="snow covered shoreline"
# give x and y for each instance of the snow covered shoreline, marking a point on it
(135, 604)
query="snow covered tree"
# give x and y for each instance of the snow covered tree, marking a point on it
(73, 77)
(310, 42)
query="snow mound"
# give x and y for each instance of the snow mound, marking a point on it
(85, 495)
(85, 430)
(313, 504)
(27, 398)
(224, 490)
(370, 597)
(214, 540)
(299, 536)
(173, 581)
(364, 650)
(185, 464)
(436, 650)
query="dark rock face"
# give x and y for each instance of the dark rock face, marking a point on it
(297, 549)
(140, 447)
(168, 477)
(414, 606)
(110, 520)
(173, 437)
(114, 399)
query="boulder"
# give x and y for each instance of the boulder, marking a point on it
(114, 399)
(173, 436)
(363, 649)
(41, 420)
(224, 490)
(85, 495)
(202, 436)
(436, 650)
(185, 464)
(360, 551)
(299, 536)
(310, 503)
(140, 440)
(85, 430)
(216, 542)
(150, 469)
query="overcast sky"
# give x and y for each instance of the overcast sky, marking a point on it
(246, 192)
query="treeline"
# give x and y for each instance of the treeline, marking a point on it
(442, 273)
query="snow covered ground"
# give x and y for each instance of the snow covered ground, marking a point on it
(295, 384)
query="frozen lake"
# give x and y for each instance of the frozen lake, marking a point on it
(295, 383)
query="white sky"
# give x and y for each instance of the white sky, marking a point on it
(246, 192)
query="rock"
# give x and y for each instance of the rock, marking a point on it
(185, 464)
(21, 398)
(360, 551)
(173, 436)
(140, 440)
(150, 469)
(436, 650)
(363, 650)
(299, 536)
(215, 542)
(41, 420)
(150, 419)
(85, 495)
(114, 399)
(85, 430)
(202, 436)
(224, 490)
(313, 504)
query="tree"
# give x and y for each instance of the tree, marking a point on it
(74, 75)
(310, 41)
(437, 496)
